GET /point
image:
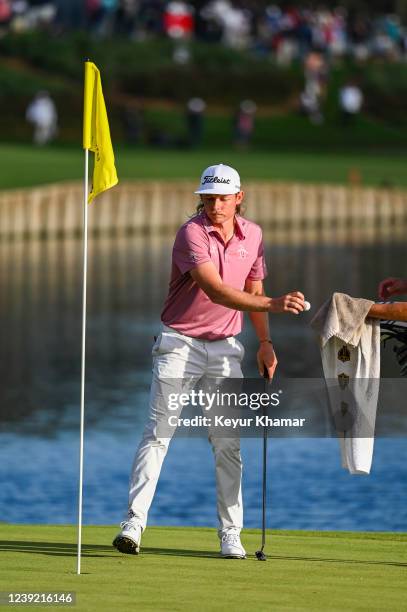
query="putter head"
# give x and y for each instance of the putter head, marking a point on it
(260, 556)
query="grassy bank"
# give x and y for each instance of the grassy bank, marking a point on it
(24, 166)
(143, 74)
(179, 569)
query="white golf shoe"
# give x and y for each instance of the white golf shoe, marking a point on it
(128, 540)
(231, 546)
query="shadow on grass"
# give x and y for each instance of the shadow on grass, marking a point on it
(326, 560)
(62, 549)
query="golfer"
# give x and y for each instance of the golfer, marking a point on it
(218, 268)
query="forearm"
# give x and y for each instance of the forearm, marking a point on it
(252, 299)
(266, 357)
(241, 300)
(260, 322)
(389, 312)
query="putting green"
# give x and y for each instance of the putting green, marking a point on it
(25, 166)
(179, 569)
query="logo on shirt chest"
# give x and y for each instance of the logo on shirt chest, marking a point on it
(242, 252)
(232, 253)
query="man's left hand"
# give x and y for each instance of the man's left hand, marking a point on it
(266, 359)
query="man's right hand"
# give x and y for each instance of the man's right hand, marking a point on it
(291, 302)
(392, 286)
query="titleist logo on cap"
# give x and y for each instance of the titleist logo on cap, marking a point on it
(214, 179)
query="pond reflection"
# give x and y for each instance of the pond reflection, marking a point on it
(40, 317)
(40, 314)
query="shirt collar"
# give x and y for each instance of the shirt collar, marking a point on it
(239, 225)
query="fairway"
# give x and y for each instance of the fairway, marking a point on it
(25, 166)
(179, 569)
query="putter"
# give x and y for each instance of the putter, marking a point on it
(260, 554)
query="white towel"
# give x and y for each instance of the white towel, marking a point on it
(350, 352)
(341, 316)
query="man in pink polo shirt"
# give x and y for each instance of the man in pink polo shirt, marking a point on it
(217, 273)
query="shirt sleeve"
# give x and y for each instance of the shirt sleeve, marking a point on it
(191, 247)
(259, 268)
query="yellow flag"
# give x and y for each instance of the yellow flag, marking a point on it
(96, 133)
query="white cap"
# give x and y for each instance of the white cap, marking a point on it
(219, 180)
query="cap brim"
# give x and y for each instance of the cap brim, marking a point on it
(216, 192)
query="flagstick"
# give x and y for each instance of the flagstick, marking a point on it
(85, 260)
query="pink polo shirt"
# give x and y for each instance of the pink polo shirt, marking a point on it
(187, 308)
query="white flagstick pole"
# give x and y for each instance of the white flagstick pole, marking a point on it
(85, 261)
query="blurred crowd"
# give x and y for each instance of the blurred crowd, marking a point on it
(287, 34)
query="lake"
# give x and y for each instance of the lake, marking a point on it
(40, 315)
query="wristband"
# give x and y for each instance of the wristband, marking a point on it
(268, 340)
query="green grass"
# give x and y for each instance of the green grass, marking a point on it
(179, 569)
(24, 166)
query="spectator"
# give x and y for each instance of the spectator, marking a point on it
(42, 114)
(195, 121)
(93, 13)
(304, 34)
(244, 124)
(350, 101)
(315, 74)
(339, 35)
(287, 33)
(106, 17)
(360, 31)
(149, 18)
(387, 37)
(179, 20)
(5, 12)
(208, 27)
(126, 16)
(233, 22)
(236, 28)
(268, 28)
(34, 15)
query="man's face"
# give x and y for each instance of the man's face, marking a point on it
(221, 208)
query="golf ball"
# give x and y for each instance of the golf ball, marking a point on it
(307, 306)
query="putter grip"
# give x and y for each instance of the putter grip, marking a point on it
(265, 374)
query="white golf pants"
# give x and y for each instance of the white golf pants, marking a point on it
(178, 362)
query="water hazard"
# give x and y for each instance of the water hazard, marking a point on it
(40, 316)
